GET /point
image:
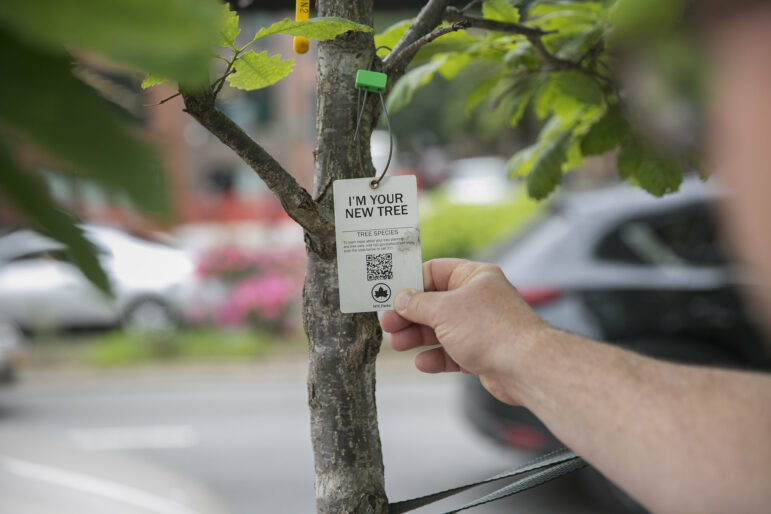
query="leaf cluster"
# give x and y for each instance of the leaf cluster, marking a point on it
(563, 74)
(248, 70)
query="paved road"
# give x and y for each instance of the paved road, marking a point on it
(243, 432)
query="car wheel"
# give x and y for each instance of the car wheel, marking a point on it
(149, 315)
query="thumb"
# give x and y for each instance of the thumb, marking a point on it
(417, 307)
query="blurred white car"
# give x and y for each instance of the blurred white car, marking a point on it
(41, 289)
(478, 180)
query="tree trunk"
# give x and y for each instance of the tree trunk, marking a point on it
(343, 347)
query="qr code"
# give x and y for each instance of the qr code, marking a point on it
(380, 267)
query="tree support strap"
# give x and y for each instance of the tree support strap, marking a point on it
(541, 470)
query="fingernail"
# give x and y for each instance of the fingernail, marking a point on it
(402, 299)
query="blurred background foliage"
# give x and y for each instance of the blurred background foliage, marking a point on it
(450, 229)
(555, 64)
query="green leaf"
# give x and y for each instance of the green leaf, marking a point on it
(516, 98)
(152, 80)
(480, 90)
(66, 118)
(458, 42)
(31, 198)
(390, 36)
(544, 98)
(645, 18)
(500, 10)
(172, 37)
(517, 108)
(521, 162)
(594, 9)
(697, 163)
(228, 27)
(405, 87)
(453, 64)
(579, 87)
(655, 174)
(546, 172)
(606, 134)
(255, 71)
(322, 28)
(521, 56)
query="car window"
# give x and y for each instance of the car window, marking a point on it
(686, 235)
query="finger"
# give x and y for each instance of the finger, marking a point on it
(391, 322)
(422, 308)
(412, 337)
(435, 360)
(437, 273)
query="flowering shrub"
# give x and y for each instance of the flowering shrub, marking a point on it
(259, 288)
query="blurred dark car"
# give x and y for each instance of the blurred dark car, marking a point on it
(618, 265)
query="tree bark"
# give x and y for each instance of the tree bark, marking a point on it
(343, 347)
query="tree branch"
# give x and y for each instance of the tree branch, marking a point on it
(429, 17)
(408, 52)
(453, 14)
(533, 34)
(295, 200)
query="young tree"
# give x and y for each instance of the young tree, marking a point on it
(551, 54)
(557, 61)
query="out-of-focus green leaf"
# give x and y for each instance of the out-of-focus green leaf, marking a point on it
(405, 87)
(656, 175)
(47, 104)
(480, 90)
(31, 198)
(453, 64)
(517, 107)
(255, 71)
(390, 36)
(544, 98)
(521, 162)
(516, 97)
(171, 37)
(546, 172)
(500, 10)
(644, 18)
(228, 29)
(590, 9)
(697, 163)
(578, 86)
(606, 134)
(459, 42)
(522, 56)
(322, 28)
(152, 80)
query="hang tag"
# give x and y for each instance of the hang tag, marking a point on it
(378, 241)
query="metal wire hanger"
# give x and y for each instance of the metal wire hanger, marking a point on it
(361, 104)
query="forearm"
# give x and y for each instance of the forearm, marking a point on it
(672, 436)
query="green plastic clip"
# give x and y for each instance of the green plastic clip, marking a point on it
(372, 81)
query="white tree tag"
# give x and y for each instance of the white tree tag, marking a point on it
(378, 241)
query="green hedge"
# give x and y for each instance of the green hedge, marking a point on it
(465, 230)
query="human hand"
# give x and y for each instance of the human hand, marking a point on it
(476, 316)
